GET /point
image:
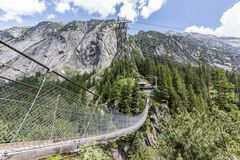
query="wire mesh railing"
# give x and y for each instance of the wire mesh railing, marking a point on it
(48, 113)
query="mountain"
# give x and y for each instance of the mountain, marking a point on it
(5, 36)
(78, 46)
(228, 44)
(193, 48)
(84, 46)
(194, 110)
(17, 31)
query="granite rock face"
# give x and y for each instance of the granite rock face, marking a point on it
(76, 46)
(192, 48)
(86, 45)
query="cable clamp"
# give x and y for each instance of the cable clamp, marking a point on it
(49, 70)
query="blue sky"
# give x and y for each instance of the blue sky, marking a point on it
(184, 13)
(203, 16)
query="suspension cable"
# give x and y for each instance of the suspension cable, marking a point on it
(21, 83)
(160, 26)
(90, 118)
(46, 67)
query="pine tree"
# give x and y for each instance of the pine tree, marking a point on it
(165, 83)
(192, 100)
(180, 88)
(225, 97)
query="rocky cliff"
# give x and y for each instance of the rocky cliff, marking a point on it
(192, 48)
(84, 46)
(79, 46)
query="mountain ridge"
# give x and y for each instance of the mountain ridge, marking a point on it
(86, 45)
(59, 47)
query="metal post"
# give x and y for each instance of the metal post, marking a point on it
(54, 116)
(155, 81)
(121, 121)
(101, 125)
(111, 119)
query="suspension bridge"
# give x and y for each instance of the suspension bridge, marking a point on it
(38, 121)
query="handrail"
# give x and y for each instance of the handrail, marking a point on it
(21, 83)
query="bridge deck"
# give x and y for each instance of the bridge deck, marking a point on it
(49, 147)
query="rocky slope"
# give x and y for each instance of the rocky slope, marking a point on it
(192, 48)
(17, 31)
(83, 46)
(79, 46)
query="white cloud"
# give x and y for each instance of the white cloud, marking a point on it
(15, 9)
(51, 16)
(62, 7)
(202, 30)
(230, 24)
(152, 6)
(104, 8)
(130, 9)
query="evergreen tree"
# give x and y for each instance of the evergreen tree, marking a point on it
(225, 91)
(192, 100)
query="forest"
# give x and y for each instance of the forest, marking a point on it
(197, 107)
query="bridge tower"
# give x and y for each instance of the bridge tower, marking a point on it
(122, 37)
(123, 41)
